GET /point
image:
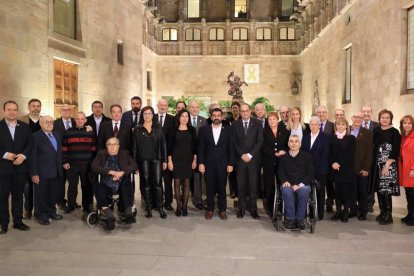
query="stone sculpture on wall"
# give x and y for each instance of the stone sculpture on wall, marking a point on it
(235, 84)
(316, 101)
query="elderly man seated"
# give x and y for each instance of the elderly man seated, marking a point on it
(115, 167)
(295, 174)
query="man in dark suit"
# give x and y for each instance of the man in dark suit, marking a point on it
(260, 112)
(15, 150)
(235, 115)
(248, 138)
(60, 126)
(131, 117)
(115, 128)
(284, 116)
(46, 170)
(316, 143)
(96, 118)
(166, 121)
(215, 157)
(197, 122)
(363, 161)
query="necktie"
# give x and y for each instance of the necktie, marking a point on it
(366, 125)
(263, 123)
(135, 119)
(161, 122)
(52, 140)
(245, 128)
(321, 129)
(67, 124)
(116, 130)
(194, 122)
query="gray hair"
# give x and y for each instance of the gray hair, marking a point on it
(315, 119)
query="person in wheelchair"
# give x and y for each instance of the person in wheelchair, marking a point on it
(295, 174)
(115, 167)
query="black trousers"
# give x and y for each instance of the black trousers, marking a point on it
(360, 199)
(330, 192)
(76, 172)
(196, 187)
(247, 184)
(150, 175)
(104, 194)
(168, 188)
(320, 193)
(233, 181)
(11, 185)
(216, 181)
(28, 195)
(269, 181)
(60, 192)
(45, 198)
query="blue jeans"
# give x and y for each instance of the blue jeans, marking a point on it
(289, 201)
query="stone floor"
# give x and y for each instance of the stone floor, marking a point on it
(194, 246)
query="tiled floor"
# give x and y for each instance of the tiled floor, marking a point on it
(194, 246)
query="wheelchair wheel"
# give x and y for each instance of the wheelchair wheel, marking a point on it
(275, 207)
(92, 218)
(312, 227)
(314, 203)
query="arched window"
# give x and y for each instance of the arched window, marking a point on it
(216, 34)
(240, 34)
(287, 33)
(169, 34)
(192, 34)
(263, 34)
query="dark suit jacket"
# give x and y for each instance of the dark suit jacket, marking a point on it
(59, 127)
(221, 154)
(373, 125)
(45, 161)
(106, 131)
(90, 121)
(22, 144)
(201, 121)
(128, 118)
(252, 143)
(272, 144)
(320, 152)
(329, 128)
(126, 162)
(363, 151)
(342, 151)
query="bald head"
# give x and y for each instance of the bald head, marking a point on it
(162, 106)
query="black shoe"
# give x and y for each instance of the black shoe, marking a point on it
(301, 224)
(3, 230)
(163, 215)
(178, 212)
(406, 218)
(168, 207)
(362, 217)
(200, 206)
(44, 222)
(148, 212)
(57, 217)
(21, 226)
(78, 206)
(380, 216)
(62, 206)
(68, 210)
(345, 217)
(289, 224)
(184, 212)
(130, 219)
(387, 219)
(353, 214)
(329, 208)
(337, 216)
(240, 213)
(254, 214)
(27, 215)
(371, 209)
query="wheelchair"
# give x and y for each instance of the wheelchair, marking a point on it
(311, 216)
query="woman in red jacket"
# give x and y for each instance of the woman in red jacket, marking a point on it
(406, 165)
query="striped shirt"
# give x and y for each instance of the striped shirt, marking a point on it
(78, 146)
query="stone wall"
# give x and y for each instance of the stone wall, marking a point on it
(377, 32)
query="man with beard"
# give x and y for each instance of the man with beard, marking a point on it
(131, 117)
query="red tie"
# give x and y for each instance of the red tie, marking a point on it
(116, 130)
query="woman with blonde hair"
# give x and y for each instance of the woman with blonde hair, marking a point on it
(295, 125)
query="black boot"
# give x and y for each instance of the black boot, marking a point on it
(387, 219)
(345, 215)
(159, 201)
(381, 205)
(338, 214)
(409, 193)
(148, 203)
(129, 216)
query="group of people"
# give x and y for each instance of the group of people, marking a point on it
(174, 154)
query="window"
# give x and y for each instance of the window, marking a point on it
(216, 34)
(240, 34)
(169, 34)
(286, 8)
(149, 80)
(287, 34)
(263, 34)
(410, 50)
(240, 8)
(347, 92)
(193, 8)
(66, 85)
(64, 17)
(192, 34)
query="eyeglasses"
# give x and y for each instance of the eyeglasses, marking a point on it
(48, 122)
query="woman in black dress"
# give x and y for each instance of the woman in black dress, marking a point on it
(150, 152)
(342, 150)
(182, 158)
(387, 142)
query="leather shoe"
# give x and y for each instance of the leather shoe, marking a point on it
(56, 217)
(68, 210)
(240, 213)
(329, 209)
(223, 215)
(208, 215)
(27, 215)
(254, 214)
(21, 226)
(168, 207)
(362, 217)
(44, 222)
(200, 206)
(3, 230)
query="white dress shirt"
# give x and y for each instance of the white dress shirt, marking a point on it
(216, 133)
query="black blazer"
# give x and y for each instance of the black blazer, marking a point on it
(272, 144)
(329, 128)
(221, 154)
(128, 118)
(126, 162)
(168, 123)
(320, 152)
(22, 144)
(90, 121)
(45, 161)
(156, 134)
(59, 127)
(106, 131)
(252, 143)
(372, 125)
(342, 151)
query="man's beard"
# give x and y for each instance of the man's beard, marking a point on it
(136, 109)
(216, 121)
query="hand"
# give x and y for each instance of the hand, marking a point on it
(10, 156)
(385, 170)
(194, 164)
(88, 128)
(364, 173)
(66, 166)
(170, 166)
(19, 159)
(117, 174)
(245, 158)
(164, 166)
(229, 169)
(201, 168)
(336, 166)
(411, 173)
(295, 187)
(35, 179)
(280, 153)
(286, 184)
